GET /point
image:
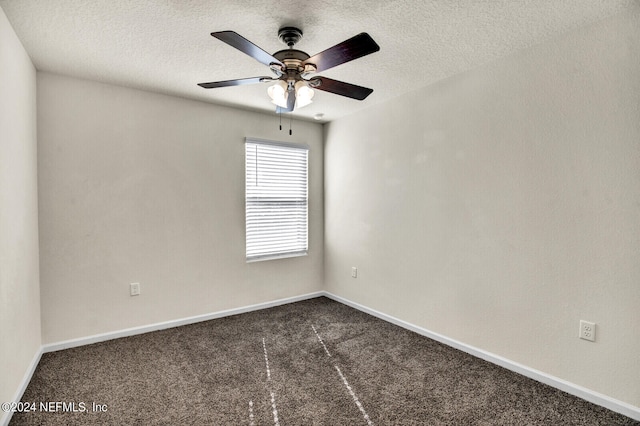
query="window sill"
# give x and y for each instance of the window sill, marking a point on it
(276, 256)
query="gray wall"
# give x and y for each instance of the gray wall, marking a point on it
(142, 187)
(19, 286)
(501, 206)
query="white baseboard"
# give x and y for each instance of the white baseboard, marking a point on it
(563, 385)
(52, 347)
(571, 388)
(6, 417)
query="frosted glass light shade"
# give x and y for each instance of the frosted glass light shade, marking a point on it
(304, 94)
(278, 93)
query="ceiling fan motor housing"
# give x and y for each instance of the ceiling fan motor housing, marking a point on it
(291, 54)
(292, 60)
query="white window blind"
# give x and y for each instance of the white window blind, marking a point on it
(276, 200)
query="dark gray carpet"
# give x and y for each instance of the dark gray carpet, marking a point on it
(315, 362)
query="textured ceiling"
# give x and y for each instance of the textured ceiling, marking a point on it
(164, 45)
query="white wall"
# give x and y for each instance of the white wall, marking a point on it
(19, 285)
(142, 187)
(501, 206)
(498, 208)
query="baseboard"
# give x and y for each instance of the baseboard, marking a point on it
(52, 347)
(6, 417)
(563, 385)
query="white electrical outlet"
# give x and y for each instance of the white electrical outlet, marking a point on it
(134, 289)
(354, 272)
(587, 330)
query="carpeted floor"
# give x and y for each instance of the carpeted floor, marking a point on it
(315, 362)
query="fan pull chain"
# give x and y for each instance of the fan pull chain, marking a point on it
(290, 132)
(280, 114)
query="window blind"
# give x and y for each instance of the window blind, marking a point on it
(276, 200)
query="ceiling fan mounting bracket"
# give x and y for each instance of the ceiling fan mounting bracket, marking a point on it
(277, 70)
(289, 35)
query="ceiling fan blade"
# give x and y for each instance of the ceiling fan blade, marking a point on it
(354, 48)
(291, 101)
(239, 82)
(340, 88)
(242, 44)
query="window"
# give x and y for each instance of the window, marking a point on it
(275, 199)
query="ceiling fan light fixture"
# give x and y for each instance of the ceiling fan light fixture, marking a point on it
(278, 93)
(295, 86)
(304, 94)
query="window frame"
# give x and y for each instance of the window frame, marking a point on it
(265, 255)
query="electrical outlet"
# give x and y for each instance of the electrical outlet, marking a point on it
(354, 272)
(587, 330)
(134, 289)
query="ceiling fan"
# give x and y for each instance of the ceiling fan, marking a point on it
(293, 68)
